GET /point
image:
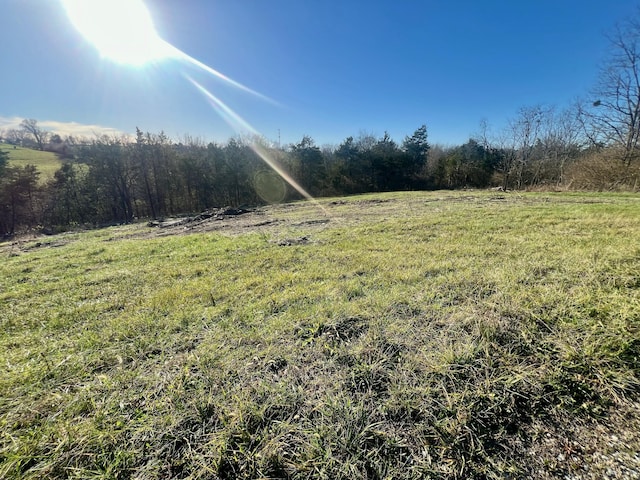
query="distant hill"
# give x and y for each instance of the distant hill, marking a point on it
(46, 162)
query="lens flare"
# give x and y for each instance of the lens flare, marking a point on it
(123, 31)
(180, 55)
(238, 123)
(269, 186)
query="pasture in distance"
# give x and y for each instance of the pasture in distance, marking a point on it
(401, 335)
(46, 162)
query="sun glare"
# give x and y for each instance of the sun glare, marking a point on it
(121, 30)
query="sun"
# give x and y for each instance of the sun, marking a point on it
(121, 30)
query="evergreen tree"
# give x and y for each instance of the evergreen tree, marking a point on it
(311, 165)
(416, 148)
(4, 159)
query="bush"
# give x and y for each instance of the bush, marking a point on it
(602, 171)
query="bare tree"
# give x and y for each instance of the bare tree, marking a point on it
(14, 136)
(559, 142)
(613, 118)
(517, 143)
(500, 146)
(30, 127)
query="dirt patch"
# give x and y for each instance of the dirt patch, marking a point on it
(303, 217)
(216, 215)
(311, 222)
(51, 244)
(294, 222)
(287, 242)
(289, 224)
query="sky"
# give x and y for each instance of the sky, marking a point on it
(333, 68)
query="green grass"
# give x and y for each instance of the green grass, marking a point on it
(46, 162)
(435, 335)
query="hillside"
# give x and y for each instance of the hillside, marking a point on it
(404, 335)
(46, 162)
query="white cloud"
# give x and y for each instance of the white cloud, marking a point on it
(64, 128)
(7, 123)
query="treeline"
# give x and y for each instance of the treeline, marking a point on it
(115, 180)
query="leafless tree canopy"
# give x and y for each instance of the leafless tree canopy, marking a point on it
(613, 117)
(31, 127)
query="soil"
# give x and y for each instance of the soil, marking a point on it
(288, 224)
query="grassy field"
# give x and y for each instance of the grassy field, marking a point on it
(46, 162)
(406, 335)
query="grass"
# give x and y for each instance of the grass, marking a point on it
(414, 335)
(46, 162)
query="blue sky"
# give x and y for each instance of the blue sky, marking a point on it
(336, 68)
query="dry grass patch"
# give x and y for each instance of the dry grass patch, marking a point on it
(414, 335)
